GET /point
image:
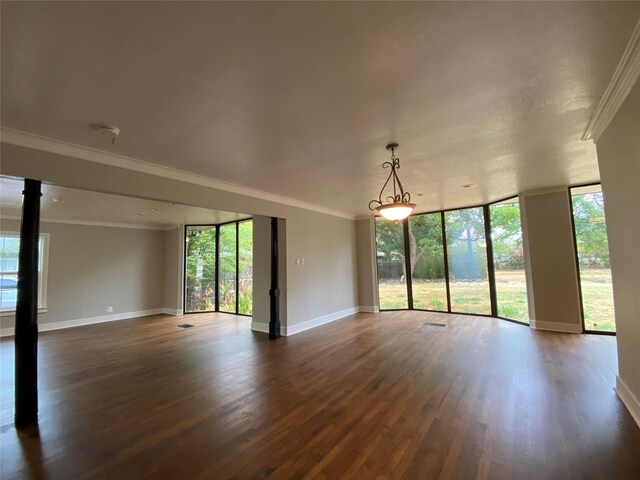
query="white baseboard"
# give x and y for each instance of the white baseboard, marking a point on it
(45, 327)
(629, 399)
(556, 327)
(315, 322)
(369, 309)
(173, 311)
(260, 327)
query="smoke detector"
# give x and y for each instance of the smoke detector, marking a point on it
(112, 132)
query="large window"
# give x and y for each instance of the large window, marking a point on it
(227, 267)
(590, 230)
(200, 269)
(428, 279)
(9, 249)
(245, 267)
(219, 268)
(508, 260)
(467, 258)
(452, 265)
(392, 275)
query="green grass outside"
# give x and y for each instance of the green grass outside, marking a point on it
(473, 297)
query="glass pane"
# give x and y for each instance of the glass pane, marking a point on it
(467, 256)
(9, 253)
(593, 258)
(201, 269)
(8, 291)
(245, 295)
(227, 271)
(392, 285)
(427, 262)
(508, 260)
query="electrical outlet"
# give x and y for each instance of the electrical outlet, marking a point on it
(109, 309)
(302, 261)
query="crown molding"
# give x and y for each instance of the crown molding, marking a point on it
(623, 79)
(90, 223)
(545, 191)
(38, 142)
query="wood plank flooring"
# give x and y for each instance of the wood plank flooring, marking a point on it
(372, 396)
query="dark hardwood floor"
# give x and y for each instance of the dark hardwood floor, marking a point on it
(370, 396)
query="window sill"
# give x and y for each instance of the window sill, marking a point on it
(12, 312)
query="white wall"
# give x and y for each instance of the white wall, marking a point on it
(367, 265)
(92, 268)
(174, 273)
(323, 288)
(619, 160)
(552, 272)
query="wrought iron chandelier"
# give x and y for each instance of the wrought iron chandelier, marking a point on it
(399, 204)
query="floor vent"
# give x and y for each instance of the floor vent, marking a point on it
(432, 324)
(185, 325)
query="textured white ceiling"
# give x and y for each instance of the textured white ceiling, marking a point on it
(71, 205)
(299, 99)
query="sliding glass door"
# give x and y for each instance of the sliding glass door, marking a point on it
(219, 268)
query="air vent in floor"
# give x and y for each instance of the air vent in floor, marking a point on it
(432, 324)
(185, 325)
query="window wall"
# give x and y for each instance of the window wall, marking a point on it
(218, 268)
(592, 248)
(453, 265)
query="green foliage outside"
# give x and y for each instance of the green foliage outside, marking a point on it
(591, 230)
(201, 267)
(597, 292)
(593, 260)
(426, 242)
(227, 268)
(466, 246)
(467, 256)
(467, 262)
(506, 236)
(245, 294)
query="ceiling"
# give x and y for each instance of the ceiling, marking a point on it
(68, 205)
(299, 99)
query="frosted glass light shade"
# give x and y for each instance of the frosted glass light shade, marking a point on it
(396, 211)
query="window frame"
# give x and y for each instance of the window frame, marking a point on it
(217, 268)
(577, 259)
(493, 266)
(43, 273)
(490, 262)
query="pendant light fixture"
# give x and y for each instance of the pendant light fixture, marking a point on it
(399, 204)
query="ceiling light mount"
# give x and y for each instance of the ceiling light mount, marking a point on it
(113, 132)
(398, 205)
